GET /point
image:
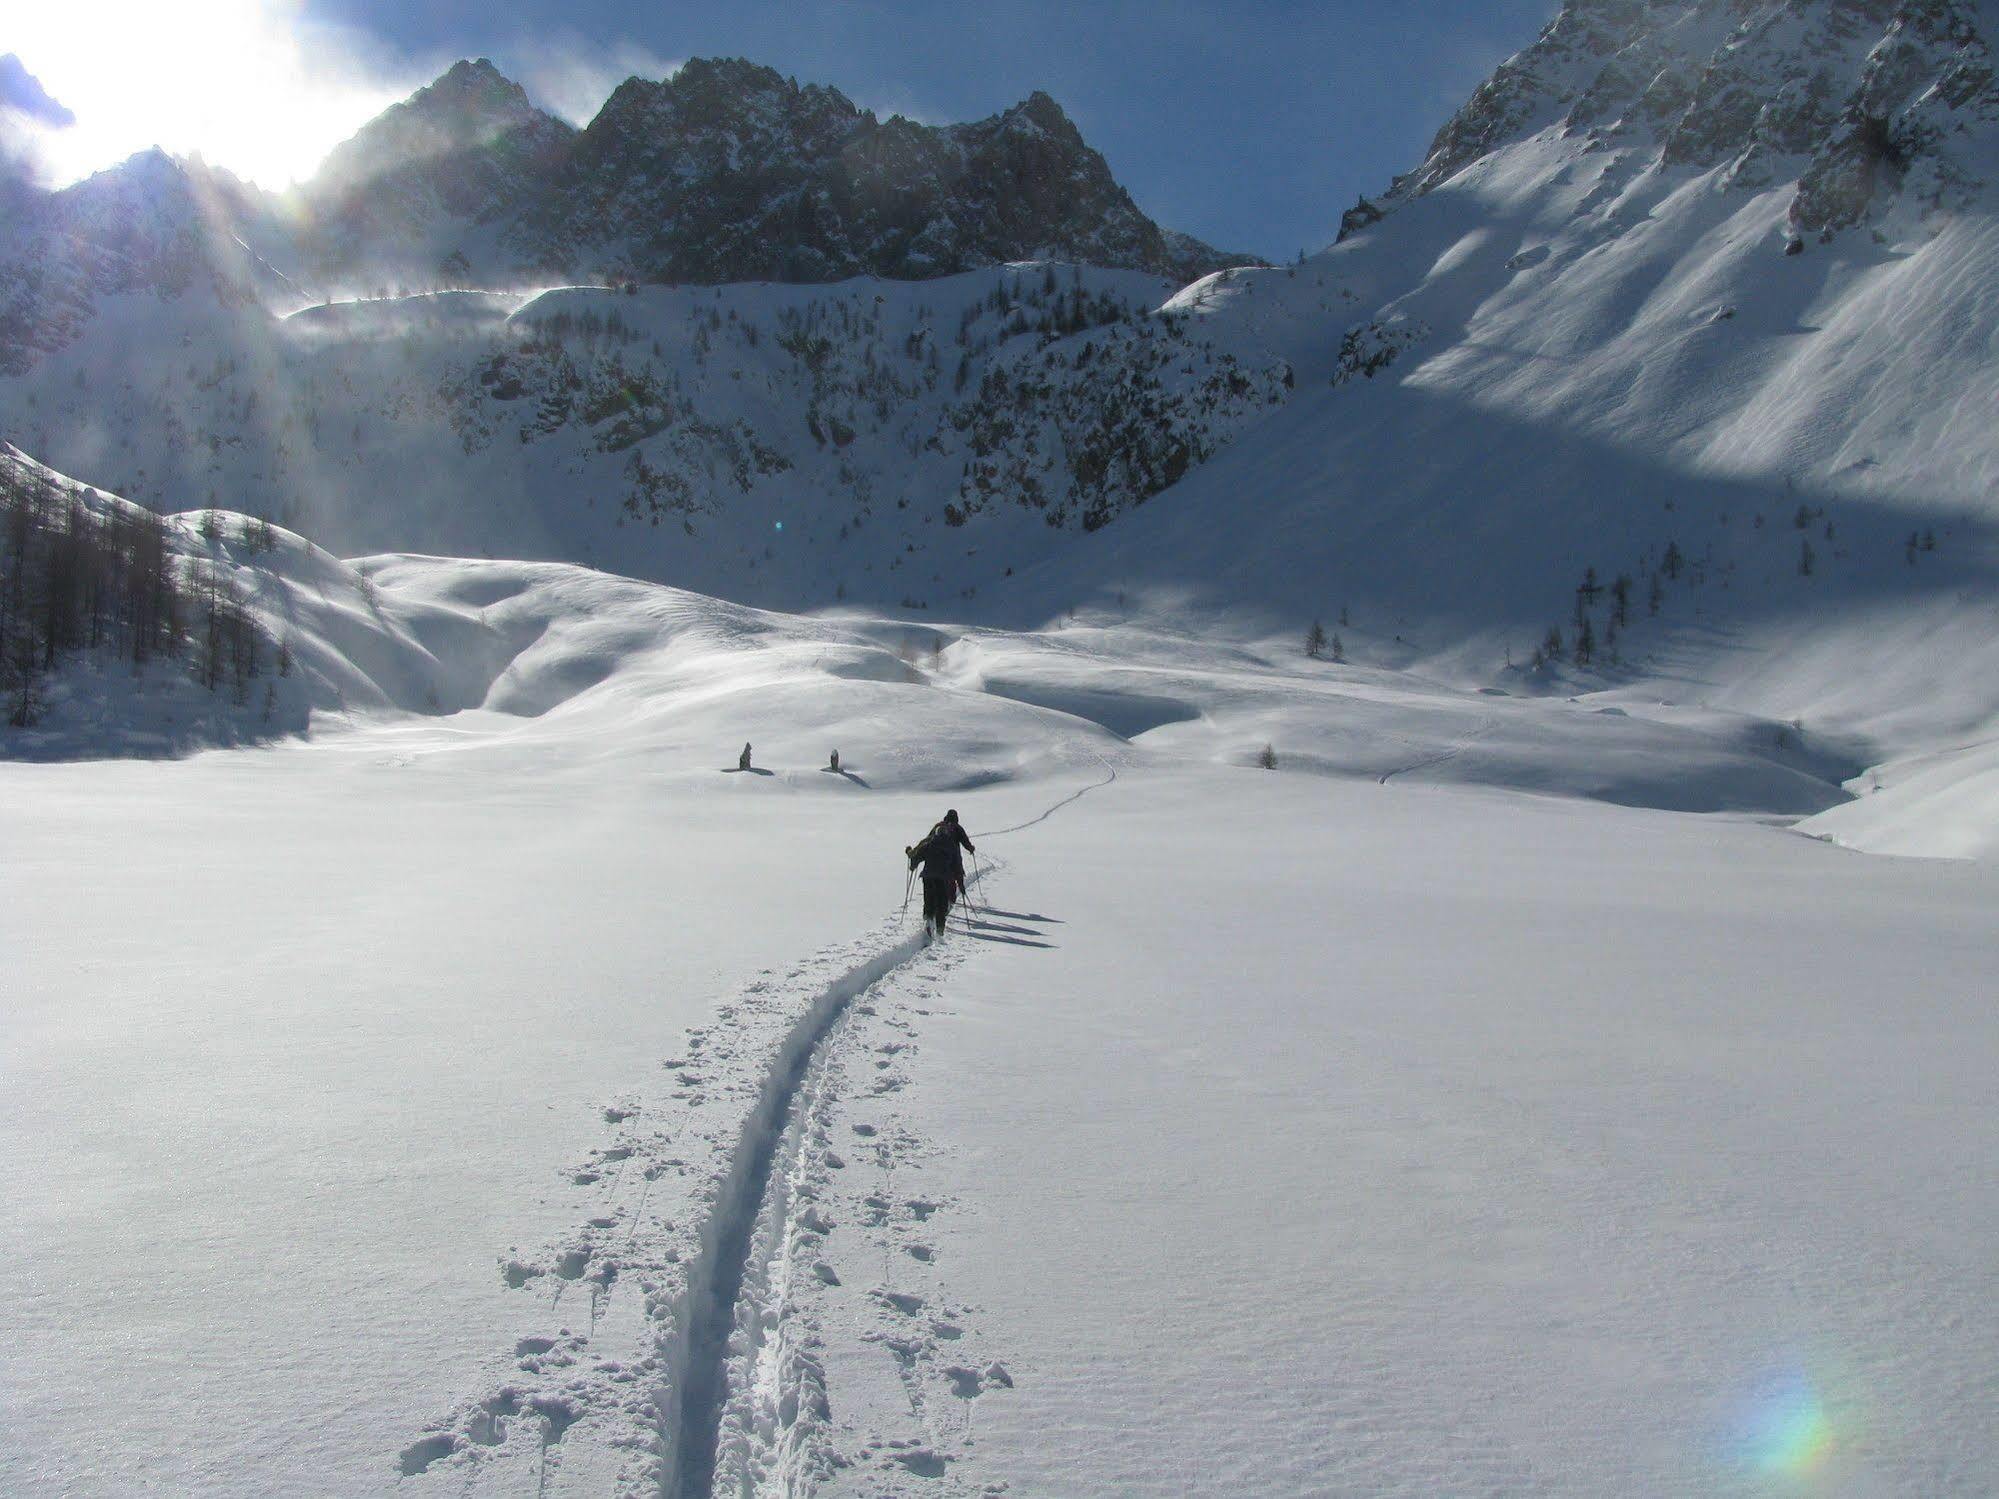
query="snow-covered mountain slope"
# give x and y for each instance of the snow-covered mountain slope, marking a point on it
(1866, 107)
(885, 441)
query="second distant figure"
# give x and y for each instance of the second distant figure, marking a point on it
(743, 760)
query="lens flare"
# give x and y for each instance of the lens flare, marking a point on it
(1787, 1432)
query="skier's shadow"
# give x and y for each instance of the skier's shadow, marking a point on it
(982, 928)
(982, 931)
(1021, 915)
(752, 770)
(827, 770)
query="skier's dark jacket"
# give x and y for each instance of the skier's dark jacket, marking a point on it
(938, 853)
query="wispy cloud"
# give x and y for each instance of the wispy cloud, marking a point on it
(21, 93)
(571, 76)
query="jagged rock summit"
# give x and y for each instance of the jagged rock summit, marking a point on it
(460, 154)
(726, 171)
(729, 172)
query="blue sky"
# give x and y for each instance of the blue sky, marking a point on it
(1252, 124)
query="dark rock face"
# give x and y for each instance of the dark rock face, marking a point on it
(725, 172)
(1863, 103)
(466, 151)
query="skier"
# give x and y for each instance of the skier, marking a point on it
(835, 766)
(943, 868)
(743, 760)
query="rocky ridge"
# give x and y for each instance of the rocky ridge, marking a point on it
(729, 172)
(725, 172)
(1868, 106)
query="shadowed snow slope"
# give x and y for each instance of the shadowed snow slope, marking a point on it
(549, 663)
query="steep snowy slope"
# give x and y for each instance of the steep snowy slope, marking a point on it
(1577, 348)
(885, 441)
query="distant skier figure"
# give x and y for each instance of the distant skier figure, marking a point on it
(835, 765)
(943, 868)
(743, 760)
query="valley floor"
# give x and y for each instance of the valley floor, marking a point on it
(383, 1112)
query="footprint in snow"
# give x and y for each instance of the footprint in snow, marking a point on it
(517, 1273)
(488, 1424)
(420, 1454)
(923, 1462)
(966, 1383)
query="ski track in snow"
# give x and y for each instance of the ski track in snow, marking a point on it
(719, 1232)
(1448, 755)
(1110, 774)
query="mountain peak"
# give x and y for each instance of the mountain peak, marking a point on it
(1040, 110)
(469, 107)
(732, 75)
(728, 170)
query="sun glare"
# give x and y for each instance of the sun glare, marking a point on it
(1786, 1432)
(256, 86)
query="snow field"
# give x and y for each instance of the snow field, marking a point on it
(503, 1113)
(296, 1121)
(495, 1090)
(1276, 1136)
